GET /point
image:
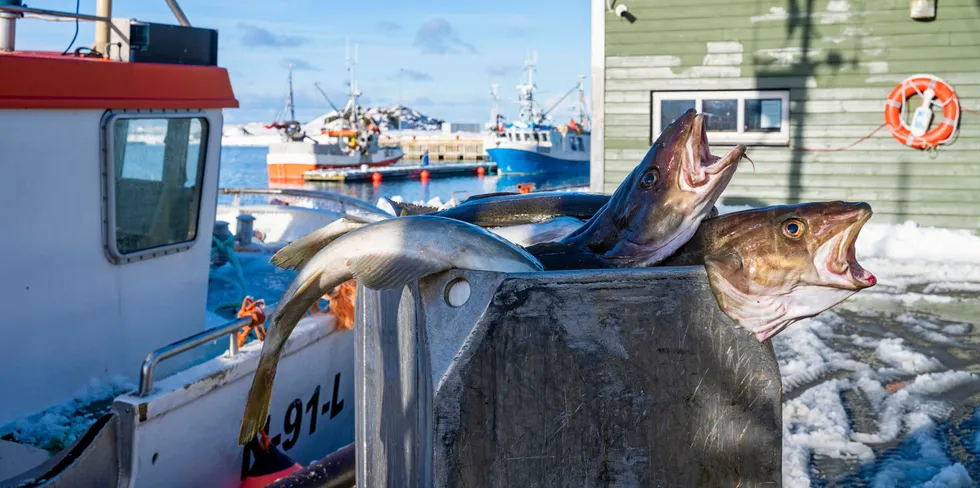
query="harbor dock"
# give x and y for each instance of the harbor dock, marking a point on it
(401, 172)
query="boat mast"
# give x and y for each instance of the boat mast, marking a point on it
(495, 110)
(528, 110)
(290, 108)
(582, 113)
(354, 93)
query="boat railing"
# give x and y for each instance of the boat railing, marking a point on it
(343, 200)
(154, 358)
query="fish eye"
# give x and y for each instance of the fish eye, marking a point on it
(793, 228)
(650, 178)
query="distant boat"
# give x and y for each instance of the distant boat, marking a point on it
(533, 145)
(351, 140)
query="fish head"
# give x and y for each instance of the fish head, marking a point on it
(664, 199)
(773, 266)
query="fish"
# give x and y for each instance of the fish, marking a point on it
(384, 254)
(526, 208)
(502, 214)
(658, 206)
(773, 266)
(288, 258)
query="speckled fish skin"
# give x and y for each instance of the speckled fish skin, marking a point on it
(771, 267)
(384, 254)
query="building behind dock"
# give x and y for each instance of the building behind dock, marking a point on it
(450, 144)
(827, 66)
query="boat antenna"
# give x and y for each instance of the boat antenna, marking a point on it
(289, 97)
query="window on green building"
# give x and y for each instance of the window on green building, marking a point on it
(751, 117)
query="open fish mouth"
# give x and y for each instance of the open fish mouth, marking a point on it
(701, 164)
(844, 264)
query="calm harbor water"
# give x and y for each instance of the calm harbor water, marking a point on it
(246, 167)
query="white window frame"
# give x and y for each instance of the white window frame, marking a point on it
(109, 187)
(780, 138)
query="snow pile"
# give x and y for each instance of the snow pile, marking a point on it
(58, 426)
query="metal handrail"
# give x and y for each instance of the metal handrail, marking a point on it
(53, 13)
(291, 192)
(67, 15)
(186, 344)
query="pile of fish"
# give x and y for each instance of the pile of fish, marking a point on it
(767, 267)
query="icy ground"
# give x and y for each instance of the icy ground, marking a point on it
(882, 390)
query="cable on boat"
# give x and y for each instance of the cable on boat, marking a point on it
(78, 5)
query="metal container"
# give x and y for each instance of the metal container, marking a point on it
(596, 378)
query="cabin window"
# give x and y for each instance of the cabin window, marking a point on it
(544, 137)
(751, 117)
(527, 137)
(155, 168)
(573, 143)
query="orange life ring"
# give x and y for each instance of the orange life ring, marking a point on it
(919, 84)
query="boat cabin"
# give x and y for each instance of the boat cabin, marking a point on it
(111, 178)
(545, 138)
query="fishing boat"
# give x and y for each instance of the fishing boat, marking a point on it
(347, 138)
(533, 144)
(115, 373)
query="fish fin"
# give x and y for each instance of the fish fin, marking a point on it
(381, 271)
(724, 269)
(297, 253)
(286, 317)
(403, 209)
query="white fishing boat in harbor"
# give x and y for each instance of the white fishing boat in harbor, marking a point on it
(533, 144)
(116, 373)
(348, 138)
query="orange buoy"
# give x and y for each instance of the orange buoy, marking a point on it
(424, 175)
(480, 171)
(525, 187)
(376, 177)
(928, 87)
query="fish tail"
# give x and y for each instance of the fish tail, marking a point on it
(259, 397)
(289, 311)
(300, 251)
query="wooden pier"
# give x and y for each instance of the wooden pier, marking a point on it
(400, 172)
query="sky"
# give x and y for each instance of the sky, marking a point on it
(437, 57)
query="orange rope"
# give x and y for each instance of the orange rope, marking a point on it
(254, 309)
(342, 303)
(974, 112)
(264, 441)
(841, 148)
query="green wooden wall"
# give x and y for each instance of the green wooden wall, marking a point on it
(839, 59)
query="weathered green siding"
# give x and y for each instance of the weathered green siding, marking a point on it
(839, 59)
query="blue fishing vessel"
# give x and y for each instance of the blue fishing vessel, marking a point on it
(533, 144)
